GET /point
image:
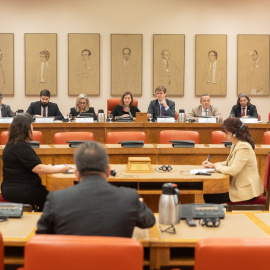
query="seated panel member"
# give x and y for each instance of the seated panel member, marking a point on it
(45, 108)
(241, 165)
(94, 206)
(82, 105)
(244, 108)
(205, 109)
(161, 106)
(5, 110)
(126, 107)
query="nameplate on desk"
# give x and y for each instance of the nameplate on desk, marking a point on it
(207, 120)
(6, 120)
(84, 120)
(44, 119)
(249, 120)
(165, 119)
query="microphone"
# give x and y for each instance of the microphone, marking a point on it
(130, 115)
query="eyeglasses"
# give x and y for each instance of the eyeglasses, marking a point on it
(170, 229)
(82, 103)
(210, 222)
(166, 168)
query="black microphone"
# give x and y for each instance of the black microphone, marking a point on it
(130, 115)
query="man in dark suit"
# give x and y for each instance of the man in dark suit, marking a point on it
(244, 108)
(45, 108)
(5, 109)
(94, 207)
(161, 106)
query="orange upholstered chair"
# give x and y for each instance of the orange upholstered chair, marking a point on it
(112, 102)
(266, 137)
(63, 137)
(71, 252)
(232, 253)
(173, 135)
(217, 137)
(37, 136)
(116, 137)
(1, 253)
(259, 203)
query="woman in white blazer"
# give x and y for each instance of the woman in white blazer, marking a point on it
(241, 165)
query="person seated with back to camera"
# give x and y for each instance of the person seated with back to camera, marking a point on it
(241, 165)
(244, 108)
(82, 105)
(205, 109)
(22, 166)
(126, 107)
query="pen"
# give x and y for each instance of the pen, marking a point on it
(208, 158)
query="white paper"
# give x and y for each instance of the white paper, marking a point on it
(44, 119)
(201, 171)
(62, 165)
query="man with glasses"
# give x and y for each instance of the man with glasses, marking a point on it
(45, 108)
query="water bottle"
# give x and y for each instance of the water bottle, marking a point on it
(101, 116)
(181, 116)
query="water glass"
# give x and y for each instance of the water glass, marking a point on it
(69, 117)
(149, 117)
(110, 117)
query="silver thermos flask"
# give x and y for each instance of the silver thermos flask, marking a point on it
(101, 116)
(169, 205)
(181, 116)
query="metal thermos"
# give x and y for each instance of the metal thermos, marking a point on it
(169, 204)
(181, 116)
(101, 116)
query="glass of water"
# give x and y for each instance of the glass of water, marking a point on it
(69, 117)
(149, 117)
(110, 117)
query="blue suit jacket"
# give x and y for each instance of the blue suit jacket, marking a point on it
(53, 110)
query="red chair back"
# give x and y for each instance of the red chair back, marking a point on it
(217, 137)
(63, 137)
(68, 252)
(172, 135)
(232, 253)
(266, 137)
(37, 136)
(1, 253)
(112, 102)
(116, 137)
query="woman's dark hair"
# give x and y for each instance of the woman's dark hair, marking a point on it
(122, 99)
(20, 129)
(242, 133)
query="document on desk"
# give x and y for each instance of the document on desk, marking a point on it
(201, 171)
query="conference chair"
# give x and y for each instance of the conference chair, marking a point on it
(1, 252)
(266, 137)
(232, 253)
(261, 202)
(112, 102)
(71, 252)
(173, 135)
(63, 137)
(176, 115)
(217, 137)
(37, 136)
(116, 137)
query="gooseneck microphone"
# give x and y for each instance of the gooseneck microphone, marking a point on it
(130, 115)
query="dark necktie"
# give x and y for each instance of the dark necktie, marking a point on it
(44, 112)
(161, 110)
(206, 113)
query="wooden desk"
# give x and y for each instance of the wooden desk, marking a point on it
(152, 130)
(161, 249)
(149, 185)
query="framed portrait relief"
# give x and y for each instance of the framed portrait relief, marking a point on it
(7, 64)
(169, 63)
(253, 65)
(83, 64)
(211, 65)
(126, 64)
(40, 63)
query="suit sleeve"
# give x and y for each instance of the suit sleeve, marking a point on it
(73, 112)
(191, 114)
(234, 111)
(146, 218)
(58, 115)
(171, 110)
(30, 109)
(253, 112)
(217, 113)
(10, 113)
(151, 108)
(46, 222)
(92, 110)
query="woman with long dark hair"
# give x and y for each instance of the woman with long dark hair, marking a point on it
(241, 165)
(22, 166)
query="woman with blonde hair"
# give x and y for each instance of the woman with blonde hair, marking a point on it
(82, 105)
